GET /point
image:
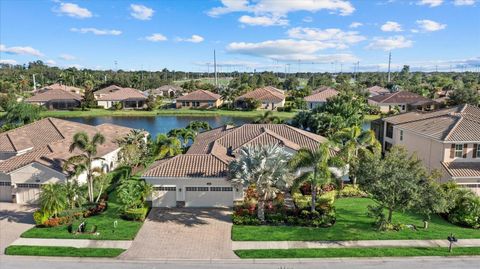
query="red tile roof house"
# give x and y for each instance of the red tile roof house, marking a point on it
(199, 99)
(34, 154)
(269, 96)
(128, 97)
(199, 177)
(56, 99)
(60, 87)
(404, 100)
(169, 91)
(376, 90)
(320, 96)
(107, 90)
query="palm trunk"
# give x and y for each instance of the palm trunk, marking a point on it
(261, 210)
(314, 197)
(99, 194)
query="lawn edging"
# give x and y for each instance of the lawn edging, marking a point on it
(62, 251)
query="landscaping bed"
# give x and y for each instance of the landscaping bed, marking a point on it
(63, 251)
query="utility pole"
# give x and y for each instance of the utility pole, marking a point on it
(34, 83)
(215, 67)
(389, 62)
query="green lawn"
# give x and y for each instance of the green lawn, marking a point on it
(353, 252)
(63, 251)
(354, 224)
(126, 230)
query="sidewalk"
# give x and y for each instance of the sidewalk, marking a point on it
(237, 245)
(77, 243)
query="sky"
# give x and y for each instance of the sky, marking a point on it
(247, 35)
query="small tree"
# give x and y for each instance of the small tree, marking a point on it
(53, 199)
(89, 98)
(133, 193)
(134, 150)
(165, 146)
(184, 134)
(433, 199)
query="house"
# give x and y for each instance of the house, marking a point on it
(447, 140)
(405, 101)
(58, 86)
(320, 96)
(169, 91)
(107, 90)
(269, 96)
(56, 99)
(33, 155)
(199, 99)
(128, 97)
(376, 90)
(199, 177)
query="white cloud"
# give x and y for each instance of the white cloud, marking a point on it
(391, 26)
(73, 10)
(431, 3)
(96, 31)
(20, 50)
(336, 38)
(192, 39)
(67, 57)
(307, 19)
(141, 12)
(355, 24)
(262, 20)
(50, 62)
(464, 2)
(156, 37)
(390, 43)
(8, 61)
(430, 26)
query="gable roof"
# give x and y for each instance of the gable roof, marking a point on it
(399, 98)
(321, 95)
(200, 95)
(54, 95)
(59, 86)
(462, 169)
(266, 94)
(165, 88)
(123, 94)
(107, 90)
(187, 165)
(377, 90)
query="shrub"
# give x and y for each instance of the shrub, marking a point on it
(53, 222)
(138, 214)
(351, 191)
(466, 208)
(245, 220)
(40, 217)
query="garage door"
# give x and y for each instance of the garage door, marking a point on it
(28, 193)
(164, 196)
(5, 192)
(209, 197)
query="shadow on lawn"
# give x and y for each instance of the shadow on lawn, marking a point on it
(188, 216)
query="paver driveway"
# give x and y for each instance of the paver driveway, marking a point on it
(184, 234)
(14, 220)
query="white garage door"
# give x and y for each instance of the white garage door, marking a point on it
(209, 196)
(28, 193)
(5, 192)
(164, 196)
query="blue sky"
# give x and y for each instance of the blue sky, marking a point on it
(300, 35)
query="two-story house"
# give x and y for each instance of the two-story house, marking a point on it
(447, 140)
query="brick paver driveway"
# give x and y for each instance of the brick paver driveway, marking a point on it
(14, 220)
(184, 234)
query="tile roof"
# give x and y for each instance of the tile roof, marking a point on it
(59, 86)
(200, 95)
(165, 88)
(187, 165)
(266, 94)
(123, 94)
(377, 90)
(399, 98)
(321, 95)
(54, 95)
(107, 90)
(462, 169)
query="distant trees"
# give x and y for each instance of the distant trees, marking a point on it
(18, 114)
(267, 117)
(465, 96)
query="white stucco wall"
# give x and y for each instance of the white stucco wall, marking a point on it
(105, 104)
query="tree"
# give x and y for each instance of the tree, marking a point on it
(73, 194)
(133, 193)
(266, 168)
(186, 135)
(166, 147)
(198, 126)
(18, 114)
(291, 83)
(82, 163)
(433, 199)
(89, 98)
(134, 150)
(465, 96)
(52, 199)
(267, 118)
(151, 102)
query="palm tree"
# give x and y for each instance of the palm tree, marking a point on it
(184, 134)
(73, 193)
(267, 117)
(353, 141)
(83, 162)
(198, 126)
(265, 167)
(134, 148)
(319, 162)
(166, 147)
(53, 199)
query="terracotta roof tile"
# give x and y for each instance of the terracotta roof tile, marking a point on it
(462, 169)
(107, 90)
(322, 95)
(377, 90)
(122, 95)
(200, 95)
(187, 165)
(265, 94)
(54, 94)
(399, 97)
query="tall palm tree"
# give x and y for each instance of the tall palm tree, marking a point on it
(166, 147)
(185, 135)
(354, 140)
(53, 199)
(265, 167)
(83, 162)
(319, 162)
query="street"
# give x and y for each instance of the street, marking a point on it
(9, 262)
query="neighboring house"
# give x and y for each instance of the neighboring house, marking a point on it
(170, 91)
(128, 97)
(58, 86)
(199, 177)
(199, 99)
(404, 100)
(107, 90)
(56, 99)
(376, 90)
(33, 155)
(447, 140)
(319, 97)
(269, 96)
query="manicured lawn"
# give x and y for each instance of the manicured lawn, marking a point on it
(63, 251)
(126, 230)
(354, 224)
(354, 252)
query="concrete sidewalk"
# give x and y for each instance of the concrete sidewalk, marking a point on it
(236, 245)
(77, 243)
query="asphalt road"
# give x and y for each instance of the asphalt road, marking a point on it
(9, 262)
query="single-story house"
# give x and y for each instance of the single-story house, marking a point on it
(128, 97)
(199, 177)
(170, 91)
(376, 90)
(33, 155)
(320, 96)
(58, 86)
(56, 99)
(269, 96)
(404, 100)
(199, 99)
(107, 90)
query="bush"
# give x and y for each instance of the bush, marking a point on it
(466, 208)
(40, 217)
(245, 220)
(53, 222)
(351, 191)
(138, 214)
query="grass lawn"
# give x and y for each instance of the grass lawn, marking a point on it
(63, 251)
(126, 230)
(354, 224)
(354, 252)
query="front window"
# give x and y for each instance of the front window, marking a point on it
(458, 150)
